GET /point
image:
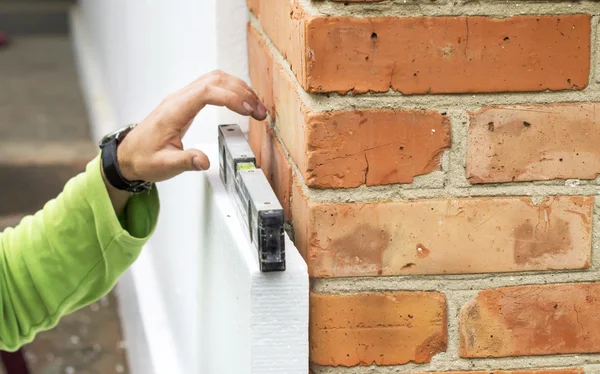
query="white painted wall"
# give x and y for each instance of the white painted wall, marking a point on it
(132, 54)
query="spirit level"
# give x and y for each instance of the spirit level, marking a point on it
(257, 204)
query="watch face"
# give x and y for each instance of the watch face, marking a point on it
(115, 134)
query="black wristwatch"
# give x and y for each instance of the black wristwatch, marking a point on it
(110, 164)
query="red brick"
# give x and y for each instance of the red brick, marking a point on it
(261, 69)
(418, 55)
(564, 371)
(284, 22)
(388, 328)
(374, 147)
(273, 162)
(301, 210)
(534, 142)
(344, 149)
(277, 170)
(532, 320)
(476, 235)
(280, 96)
(256, 137)
(253, 6)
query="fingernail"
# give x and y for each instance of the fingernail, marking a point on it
(196, 163)
(262, 111)
(248, 107)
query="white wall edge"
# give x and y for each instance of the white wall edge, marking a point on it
(143, 318)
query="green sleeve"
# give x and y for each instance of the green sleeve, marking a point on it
(68, 255)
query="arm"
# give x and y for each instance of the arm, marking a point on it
(72, 252)
(118, 198)
(68, 255)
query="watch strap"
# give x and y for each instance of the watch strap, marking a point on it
(110, 164)
(111, 167)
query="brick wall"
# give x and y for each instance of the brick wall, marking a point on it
(438, 162)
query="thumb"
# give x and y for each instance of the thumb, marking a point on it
(188, 160)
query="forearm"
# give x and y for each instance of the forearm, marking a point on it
(118, 198)
(69, 254)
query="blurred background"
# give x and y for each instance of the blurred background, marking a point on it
(70, 72)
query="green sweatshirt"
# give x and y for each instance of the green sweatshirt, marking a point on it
(68, 255)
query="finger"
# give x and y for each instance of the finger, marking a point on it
(188, 160)
(249, 97)
(200, 160)
(213, 95)
(240, 82)
(215, 75)
(186, 128)
(253, 105)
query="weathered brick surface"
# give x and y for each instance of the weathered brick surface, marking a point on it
(383, 328)
(279, 95)
(418, 55)
(352, 52)
(478, 235)
(564, 371)
(253, 6)
(534, 142)
(532, 320)
(343, 149)
(284, 22)
(374, 147)
(272, 161)
(256, 137)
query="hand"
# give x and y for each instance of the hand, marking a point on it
(153, 150)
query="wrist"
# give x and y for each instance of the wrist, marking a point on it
(125, 164)
(110, 188)
(118, 198)
(117, 165)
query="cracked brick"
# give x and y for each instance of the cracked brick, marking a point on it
(342, 149)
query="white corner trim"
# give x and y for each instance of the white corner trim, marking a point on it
(143, 317)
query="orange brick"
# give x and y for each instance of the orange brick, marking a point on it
(273, 162)
(388, 328)
(344, 149)
(261, 69)
(532, 320)
(277, 170)
(534, 142)
(374, 147)
(476, 235)
(418, 55)
(256, 136)
(564, 371)
(278, 93)
(284, 22)
(253, 6)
